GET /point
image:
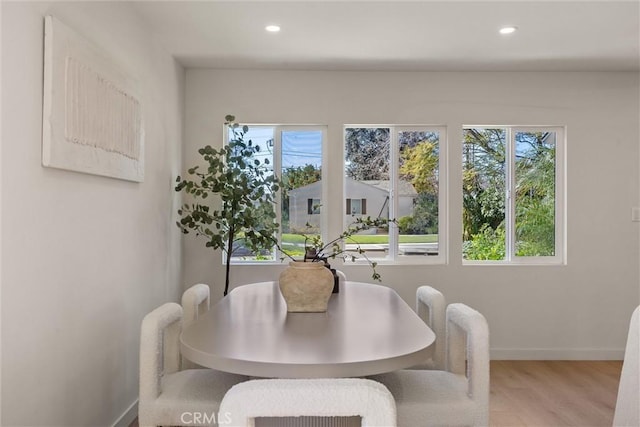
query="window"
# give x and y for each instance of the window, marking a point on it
(313, 206)
(356, 207)
(513, 181)
(296, 153)
(396, 172)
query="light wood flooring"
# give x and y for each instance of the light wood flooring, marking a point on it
(551, 393)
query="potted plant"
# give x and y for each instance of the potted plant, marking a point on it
(318, 251)
(243, 189)
(306, 284)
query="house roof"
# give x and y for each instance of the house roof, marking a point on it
(405, 188)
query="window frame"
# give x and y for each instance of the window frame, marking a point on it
(559, 257)
(276, 164)
(393, 257)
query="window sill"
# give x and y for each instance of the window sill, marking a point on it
(543, 263)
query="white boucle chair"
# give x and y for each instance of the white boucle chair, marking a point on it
(627, 413)
(320, 397)
(430, 306)
(195, 303)
(169, 396)
(458, 396)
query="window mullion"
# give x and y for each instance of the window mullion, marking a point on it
(393, 205)
(510, 195)
(560, 206)
(277, 169)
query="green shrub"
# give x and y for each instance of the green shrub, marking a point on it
(488, 244)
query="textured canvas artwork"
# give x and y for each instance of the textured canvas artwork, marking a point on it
(92, 119)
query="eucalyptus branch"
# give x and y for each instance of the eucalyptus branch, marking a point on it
(237, 177)
(318, 251)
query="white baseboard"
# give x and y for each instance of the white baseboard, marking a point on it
(557, 353)
(129, 415)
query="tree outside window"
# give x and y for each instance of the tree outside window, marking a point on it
(396, 171)
(511, 193)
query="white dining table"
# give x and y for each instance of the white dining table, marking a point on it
(367, 329)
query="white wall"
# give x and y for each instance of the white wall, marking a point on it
(0, 237)
(577, 311)
(84, 257)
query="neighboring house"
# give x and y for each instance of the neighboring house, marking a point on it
(304, 207)
(362, 198)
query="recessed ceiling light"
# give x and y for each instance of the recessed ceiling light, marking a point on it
(508, 30)
(272, 28)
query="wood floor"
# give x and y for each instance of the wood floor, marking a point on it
(552, 393)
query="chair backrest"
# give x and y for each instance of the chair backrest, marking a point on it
(430, 306)
(195, 302)
(159, 348)
(627, 411)
(323, 397)
(467, 352)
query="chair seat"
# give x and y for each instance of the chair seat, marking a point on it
(194, 391)
(427, 364)
(443, 395)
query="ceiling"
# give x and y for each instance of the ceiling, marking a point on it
(399, 36)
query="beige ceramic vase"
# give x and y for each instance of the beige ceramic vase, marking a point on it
(306, 287)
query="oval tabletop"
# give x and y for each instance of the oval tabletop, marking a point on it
(367, 329)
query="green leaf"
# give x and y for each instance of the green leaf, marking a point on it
(245, 190)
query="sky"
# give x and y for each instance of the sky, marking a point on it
(299, 147)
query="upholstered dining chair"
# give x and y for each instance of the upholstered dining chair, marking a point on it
(166, 392)
(627, 411)
(460, 394)
(195, 302)
(430, 306)
(320, 397)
